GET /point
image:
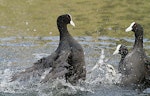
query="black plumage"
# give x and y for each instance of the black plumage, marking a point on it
(123, 51)
(67, 60)
(134, 63)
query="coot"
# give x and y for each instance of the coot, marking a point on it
(66, 61)
(134, 63)
(123, 51)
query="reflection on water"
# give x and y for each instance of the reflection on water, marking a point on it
(18, 53)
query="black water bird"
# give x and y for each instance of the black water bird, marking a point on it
(134, 69)
(66, 61)
(123, 51)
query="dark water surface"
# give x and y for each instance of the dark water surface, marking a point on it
(18, 53)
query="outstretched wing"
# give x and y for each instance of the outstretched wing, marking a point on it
(46, 62)
(17, 75)
(59, 68)
(43, 63)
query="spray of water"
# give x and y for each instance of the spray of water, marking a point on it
(101, 73)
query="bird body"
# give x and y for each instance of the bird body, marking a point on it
(134, 62)
(66, 61)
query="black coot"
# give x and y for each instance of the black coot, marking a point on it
(68, 59)
(123, 51)
(134, 63)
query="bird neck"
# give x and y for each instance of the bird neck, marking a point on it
(122, 57)
(138, 41)
(63, 31)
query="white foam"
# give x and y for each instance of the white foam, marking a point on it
(40, 55)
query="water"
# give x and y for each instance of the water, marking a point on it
(18, 53)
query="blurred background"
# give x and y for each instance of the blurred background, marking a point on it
(92, 18)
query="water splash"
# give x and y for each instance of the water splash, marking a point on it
(55, 87)
(103, 72)
(40, 55)
(5, 85)
(99, 75)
